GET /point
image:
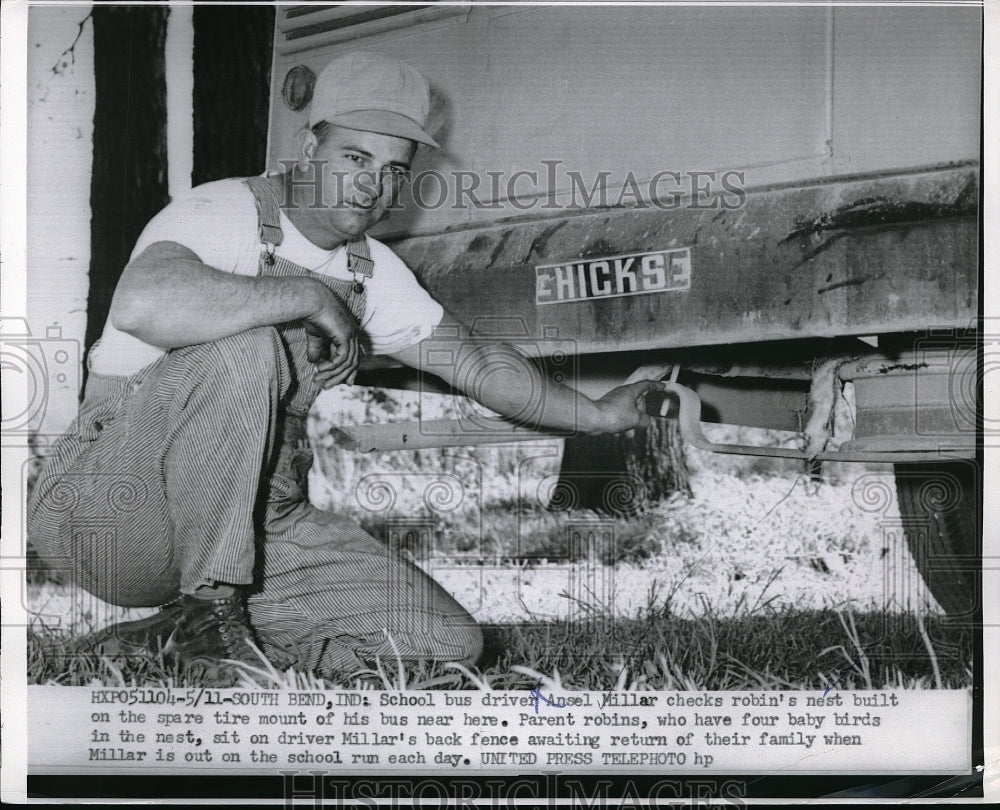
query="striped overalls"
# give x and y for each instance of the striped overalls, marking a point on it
(194, 471)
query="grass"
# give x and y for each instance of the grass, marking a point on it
(780, 651)
(657, 650)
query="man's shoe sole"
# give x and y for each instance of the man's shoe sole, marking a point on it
(132, 638)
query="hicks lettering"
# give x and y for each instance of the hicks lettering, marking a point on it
(613, 276)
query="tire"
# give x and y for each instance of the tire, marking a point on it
(940, 507)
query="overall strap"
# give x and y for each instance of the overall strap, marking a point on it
(359, 258)
(268, 214)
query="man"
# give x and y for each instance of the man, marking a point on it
(182, 481)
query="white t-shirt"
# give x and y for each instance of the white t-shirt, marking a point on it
(218, 222)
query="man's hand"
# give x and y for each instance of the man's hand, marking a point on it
(333, 341)
(624, 408)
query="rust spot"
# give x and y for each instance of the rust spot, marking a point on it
(481, 242)
(812, 254)
(499, 248)
(900, 367)
(540, 242)
(882, 211)
(851, 282)
(599, 247)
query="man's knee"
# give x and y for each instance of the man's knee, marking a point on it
(245, 366)
(252, 355)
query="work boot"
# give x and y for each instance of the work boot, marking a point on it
(214, 628)
(143, 637)
(189, 629)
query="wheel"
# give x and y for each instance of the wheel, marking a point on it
(940, 507)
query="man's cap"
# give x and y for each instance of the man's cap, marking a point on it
(374, 93)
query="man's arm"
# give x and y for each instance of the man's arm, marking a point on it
(168, 298)
(504, 380)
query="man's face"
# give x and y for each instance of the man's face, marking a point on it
(362, 172)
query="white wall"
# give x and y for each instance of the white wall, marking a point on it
(60, 148)
(60, 124)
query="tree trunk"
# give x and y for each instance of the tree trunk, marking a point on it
(622, 475)
(232, 87)
(129, 183)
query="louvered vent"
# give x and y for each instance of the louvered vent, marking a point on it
(301, 28)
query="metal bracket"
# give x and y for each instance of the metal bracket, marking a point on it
(433, 433)
(689, 422)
